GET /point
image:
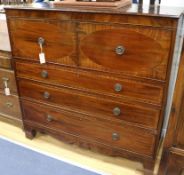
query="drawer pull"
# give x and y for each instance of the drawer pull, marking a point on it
(5, 79)
(9, 104)
(44, 74)
(115, 136)
(117, 87)
(46, 95)
(116, 111)
(49, 118)
(6, 88)
(41, 41)
(120, 50)
(42, 58)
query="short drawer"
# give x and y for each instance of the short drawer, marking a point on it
(91, 105)
(91, 81)
(130, 50)
(126, 136)
(8, 77)
(9, 105)
(56, 39)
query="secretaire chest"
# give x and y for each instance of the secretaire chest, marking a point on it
(102, 81)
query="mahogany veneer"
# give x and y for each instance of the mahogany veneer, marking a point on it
(172, 162)
(8, 75)
(9, 105)
(105, 81)
(5, 61)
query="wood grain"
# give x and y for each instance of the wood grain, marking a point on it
(11, 83)
(5, 60)
(95, 106)
(94, 51)
(92, 82)
(59, 46)
(10, 106)
(88, 128)
(172, 161)
(135, 16)
(149, 59)
(82, 67)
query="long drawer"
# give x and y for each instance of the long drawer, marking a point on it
(91, 81)
(8, 77)
(126, 137)
(91, 105)
(9, 105)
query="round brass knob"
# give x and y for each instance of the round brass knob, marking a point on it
(115, 136)
(44, 74)
(46, 95)
(117, 87)
(49, 118)
(9, 104)
(120, 50)
(41, 41)
(116, 111)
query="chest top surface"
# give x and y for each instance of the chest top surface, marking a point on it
(134, 9)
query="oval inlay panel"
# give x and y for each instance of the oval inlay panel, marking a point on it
(141, 51)
(58, 44)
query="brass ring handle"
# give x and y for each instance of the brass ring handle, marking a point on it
(116, 111)
(44, 74)
(49, 118)
(9, 104)
(115, 136)
(41, 41)
(46, 95)
(120, 50)
(118, 87)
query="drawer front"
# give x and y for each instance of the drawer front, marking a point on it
(91, 82)
(5, 61)
(8, 77)
(125, 137)
(135, 51)
(91, 105)
(9, 105)
(58, 44)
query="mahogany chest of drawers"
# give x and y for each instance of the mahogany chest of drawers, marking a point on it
(105, 80)
(9, 103)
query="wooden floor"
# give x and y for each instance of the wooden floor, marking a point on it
(109, 165)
